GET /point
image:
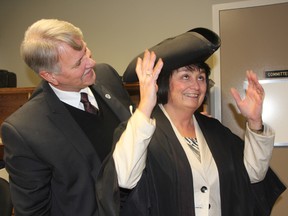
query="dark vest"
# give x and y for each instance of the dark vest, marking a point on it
(98, 128)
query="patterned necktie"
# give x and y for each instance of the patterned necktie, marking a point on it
(193, 144)
(87, 105)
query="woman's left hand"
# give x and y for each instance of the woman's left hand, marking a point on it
(251, 106)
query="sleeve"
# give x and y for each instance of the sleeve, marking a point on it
(266, 193)
(131, 149)
(29, 178)
(257, 152)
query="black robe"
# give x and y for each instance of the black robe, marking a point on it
(166, 185)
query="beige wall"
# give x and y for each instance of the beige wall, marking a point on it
(116, 31)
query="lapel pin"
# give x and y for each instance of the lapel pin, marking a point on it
(108, 96)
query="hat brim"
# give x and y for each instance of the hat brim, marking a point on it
(196, 45)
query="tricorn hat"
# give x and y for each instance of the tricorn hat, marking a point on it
(196, 45)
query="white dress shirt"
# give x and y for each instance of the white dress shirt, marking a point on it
(73, 98)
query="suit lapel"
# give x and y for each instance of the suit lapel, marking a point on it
(66, 125)
(62, 120)
(117, 107)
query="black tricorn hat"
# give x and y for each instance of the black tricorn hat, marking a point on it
(196, 45)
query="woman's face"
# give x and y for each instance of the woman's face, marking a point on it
(187, 88)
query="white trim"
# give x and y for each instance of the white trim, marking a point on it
(216, 76)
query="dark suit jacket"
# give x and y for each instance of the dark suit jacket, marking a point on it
(52, 164)
(166, 186)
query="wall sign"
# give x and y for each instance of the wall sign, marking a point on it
(276, 74)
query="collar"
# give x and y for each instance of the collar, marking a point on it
(73, 98)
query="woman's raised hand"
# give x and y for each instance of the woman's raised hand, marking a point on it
(148, 73)
(251, 106)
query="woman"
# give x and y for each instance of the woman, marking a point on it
(221, 178)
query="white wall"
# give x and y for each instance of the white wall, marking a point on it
(116, 31)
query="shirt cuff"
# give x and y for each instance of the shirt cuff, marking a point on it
(266, 130)
(258, 151)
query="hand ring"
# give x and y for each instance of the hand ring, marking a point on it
(148, 74)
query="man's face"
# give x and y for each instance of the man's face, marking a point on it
(76, 69)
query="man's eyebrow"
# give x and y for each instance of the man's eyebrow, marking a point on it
(79, 61)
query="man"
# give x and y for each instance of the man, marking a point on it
(53, 147)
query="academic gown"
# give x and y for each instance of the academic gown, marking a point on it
(166, 185)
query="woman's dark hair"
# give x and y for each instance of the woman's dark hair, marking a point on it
(164, 78)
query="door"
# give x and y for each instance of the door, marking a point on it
(254, 36)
